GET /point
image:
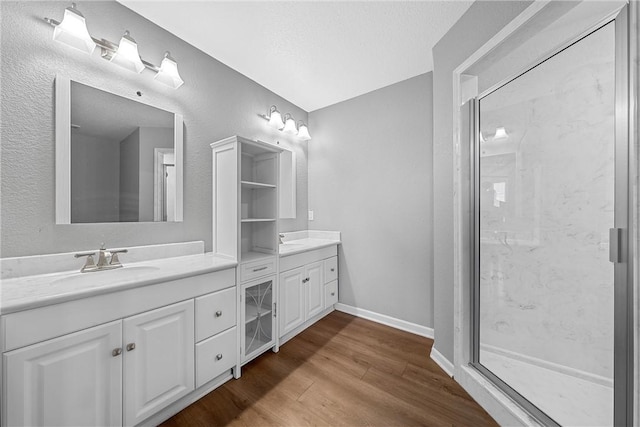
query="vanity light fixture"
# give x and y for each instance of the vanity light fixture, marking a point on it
(303, 131)
(275, 118)
(127, 55)
(73, 32)
(290, 125)
(168, 73)
(501, 133)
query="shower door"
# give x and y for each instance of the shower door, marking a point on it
(550, 198)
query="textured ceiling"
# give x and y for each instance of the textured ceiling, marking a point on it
(312, 53)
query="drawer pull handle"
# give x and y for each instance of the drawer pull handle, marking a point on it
(116, 352)
(131, 346)
(260, 269)
(333, 293)
(218, 313)
(219, 356)
(333, 269)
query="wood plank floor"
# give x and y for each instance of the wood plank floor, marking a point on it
(342, 371)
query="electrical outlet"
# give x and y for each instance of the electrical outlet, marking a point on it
(310, 215)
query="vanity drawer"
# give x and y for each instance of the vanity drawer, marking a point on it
(215, 313)
(215, 355)
(257, 269)
(330, 294)
(330, 269)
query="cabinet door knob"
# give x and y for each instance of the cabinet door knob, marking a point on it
(116, 352)
(218, 313)
(219, 356)
(131, 346)
(333, 293)
(333, 269)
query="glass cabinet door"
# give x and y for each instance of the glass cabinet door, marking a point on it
(258, 317)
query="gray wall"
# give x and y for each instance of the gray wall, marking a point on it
(215, 101)
(130, 177)
(479, 24)
(95, 179)
(370, 178)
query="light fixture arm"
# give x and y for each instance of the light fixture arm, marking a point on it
(108, 48)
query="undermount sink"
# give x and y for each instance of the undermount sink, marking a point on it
(106, 275)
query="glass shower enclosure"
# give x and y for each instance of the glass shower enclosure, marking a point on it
(550, 215)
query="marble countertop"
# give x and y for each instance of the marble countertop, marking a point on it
(302, 241)
(27, 292)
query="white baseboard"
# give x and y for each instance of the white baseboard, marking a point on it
(403, 325)
(442, 361)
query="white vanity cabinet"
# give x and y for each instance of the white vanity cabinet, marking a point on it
(145, 361)
(71, 380)
(308, 289)
(158, 351)
(122, 358)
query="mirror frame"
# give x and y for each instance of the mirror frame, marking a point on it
(63, 152)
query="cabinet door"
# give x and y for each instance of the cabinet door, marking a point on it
(292, 309)
(315, 289)
(159, 359)
(72, 380)
(258, 321)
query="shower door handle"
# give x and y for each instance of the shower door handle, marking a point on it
(615, 245)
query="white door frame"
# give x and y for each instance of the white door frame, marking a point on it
(160, 158)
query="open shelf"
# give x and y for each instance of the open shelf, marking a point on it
(256, 185)
(258, 166)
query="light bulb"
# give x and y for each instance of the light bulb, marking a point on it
(275, 118)
(303, 132)
(168, 73)
(127, 55)
(501, 133)
(289, 125)
(73, 32)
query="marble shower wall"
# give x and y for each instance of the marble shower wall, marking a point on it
(546, 207)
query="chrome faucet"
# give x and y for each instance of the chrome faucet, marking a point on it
(102, 257)
(107, 259)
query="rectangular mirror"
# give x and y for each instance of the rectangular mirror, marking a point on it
(117, 159)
